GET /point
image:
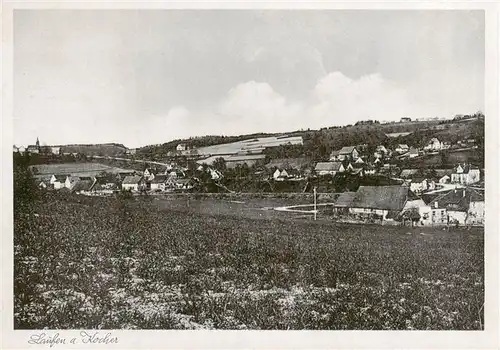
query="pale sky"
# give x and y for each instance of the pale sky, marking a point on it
(142, 77)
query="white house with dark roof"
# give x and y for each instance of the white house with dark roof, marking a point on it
(384, 202)
(329, 168)
(465, 174)
(345, 153)
(159, 182)
(132, 182)
(58, 181)
(433, 145)
(280, 175)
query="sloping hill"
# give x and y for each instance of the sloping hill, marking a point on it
(103, 149)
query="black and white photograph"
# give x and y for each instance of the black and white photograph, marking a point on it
(249, 169)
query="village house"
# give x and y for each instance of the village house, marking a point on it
(55, 150)
(70, 181)
(432, 215)
(433, 145)
(382, 203)
(104, 186)
(181, 147)
(184, 184)
(329, 168)
(413, 152)
(381, 150)
(346, 153)
(462, 206)
(133, 183)
(159, 183)
(149, 174)
(214, 174)
(58, 181)
(465, 174)
(42, 184)
(444, 179)
(83, 186)
(33, 149)
(405, 120)
(402, 148)
(280, 175)
(357, 169)
(369, 169)
(420, 184)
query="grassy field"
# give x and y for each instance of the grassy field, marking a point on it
(91, 169)
(157, 264)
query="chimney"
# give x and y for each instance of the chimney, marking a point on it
(435, 205)
(463, 193)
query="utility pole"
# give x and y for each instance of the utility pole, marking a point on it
(314, 191)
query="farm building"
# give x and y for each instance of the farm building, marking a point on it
(133, 183)
(33, 149)
(159, 183)
(444, 179)
(71, 182)
(329, 168)
(280, 175)
(43, 184)
(83, 186)
(463, 206)
(465, 174)
(58, 181)
(420, 184)
(149, 174)
(214, 174)
(382, 202)
(345, 153)
(433, 145)
(402, 148)
(288, 163)
(181, 147)
(408, 173)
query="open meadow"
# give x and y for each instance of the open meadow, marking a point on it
(139, 263)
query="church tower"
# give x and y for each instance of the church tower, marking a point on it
(37, 142)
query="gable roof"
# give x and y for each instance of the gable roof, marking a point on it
(347, 149)
(159, 179)
(466, 168)
(287, 163)
(132, 179)
(84, 185)
(405, 173)
(328, 166)
(381, 197)
(458, 199)
(345, 199)
(61, 178)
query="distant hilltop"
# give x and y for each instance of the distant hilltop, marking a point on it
(102, 149)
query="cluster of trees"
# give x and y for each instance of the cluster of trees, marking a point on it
(25, 190)
(40, 158)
